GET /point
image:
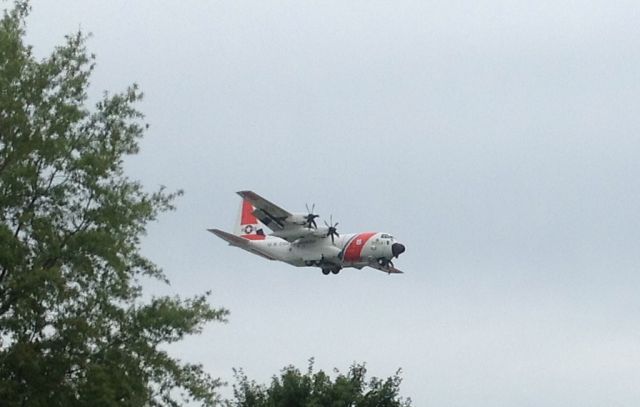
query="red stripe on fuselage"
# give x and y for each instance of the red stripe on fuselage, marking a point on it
(247, 214)
(353, 252)
(254, 237)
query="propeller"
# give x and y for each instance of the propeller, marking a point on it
(310, 218)
(331, 229)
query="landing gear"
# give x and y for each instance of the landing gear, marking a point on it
(334, 270)
(384, 262)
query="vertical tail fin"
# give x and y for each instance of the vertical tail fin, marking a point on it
(248, 226)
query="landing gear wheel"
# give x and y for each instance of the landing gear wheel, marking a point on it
(326, 272)
(335, 271)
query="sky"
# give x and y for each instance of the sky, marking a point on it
(498, 140)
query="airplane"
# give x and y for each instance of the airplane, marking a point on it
(296, 239)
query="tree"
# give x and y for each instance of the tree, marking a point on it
(74, 329)
(316, 389)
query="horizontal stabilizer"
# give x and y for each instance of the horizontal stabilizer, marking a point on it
(240, 242)
(233, 240)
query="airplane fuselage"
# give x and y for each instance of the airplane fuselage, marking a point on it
(348, 250)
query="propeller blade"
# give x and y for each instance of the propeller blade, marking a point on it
(310, 217)
(332, 231)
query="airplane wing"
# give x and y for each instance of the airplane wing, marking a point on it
(386, 269)
(240, 242)
(270, 214)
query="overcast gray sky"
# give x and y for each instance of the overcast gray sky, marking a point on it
(498, 140)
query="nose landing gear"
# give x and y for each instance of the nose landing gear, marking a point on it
(384, 262)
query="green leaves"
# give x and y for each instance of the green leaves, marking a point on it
(316, 389)
(73, 327)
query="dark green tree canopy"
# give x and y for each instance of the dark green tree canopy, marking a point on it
(316, 389)
(73, 327)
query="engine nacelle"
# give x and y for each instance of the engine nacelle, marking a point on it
(294, 234)
(298, 219)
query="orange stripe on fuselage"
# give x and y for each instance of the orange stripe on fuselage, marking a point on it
(353, 252)
(247, 214)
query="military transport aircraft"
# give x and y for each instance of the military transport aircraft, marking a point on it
(296, 239)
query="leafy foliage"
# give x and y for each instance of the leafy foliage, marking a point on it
(74, 330)
(316, 389)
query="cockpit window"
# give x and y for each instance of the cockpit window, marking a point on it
(386, 236)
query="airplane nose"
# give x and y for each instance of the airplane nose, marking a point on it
(397, 249)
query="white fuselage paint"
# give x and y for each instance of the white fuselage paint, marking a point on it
(349, 250)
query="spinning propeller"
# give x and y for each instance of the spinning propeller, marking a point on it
(331, 229)
(310, 218)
